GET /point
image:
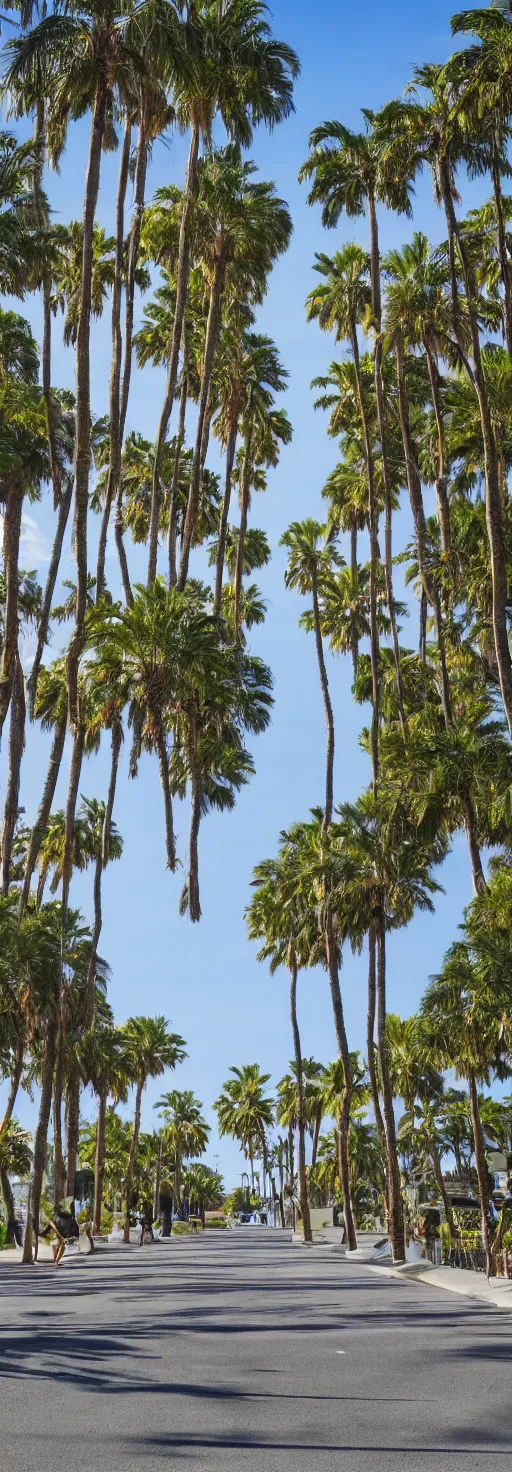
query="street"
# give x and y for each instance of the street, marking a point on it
(236, 1350)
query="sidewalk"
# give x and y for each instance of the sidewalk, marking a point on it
(497, 1292)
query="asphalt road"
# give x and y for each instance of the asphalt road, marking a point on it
(240, 1351)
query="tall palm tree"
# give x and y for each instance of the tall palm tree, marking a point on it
(244, 1111)
(185, 1132)
(308, 565)
(105, 1066)
(242, 227)
(428, 130)
(351, 173)
(150, 1049)
(243, 74)
(278, 924)
(264, 428)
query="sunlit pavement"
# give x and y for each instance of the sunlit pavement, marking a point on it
(235, 1350)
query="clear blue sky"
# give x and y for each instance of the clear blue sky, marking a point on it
(206, 977)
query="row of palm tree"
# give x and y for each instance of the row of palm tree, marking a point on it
(419, 403)
(182, 276)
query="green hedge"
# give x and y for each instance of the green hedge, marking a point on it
(216, 1222)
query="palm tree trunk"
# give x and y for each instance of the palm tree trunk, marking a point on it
(245, 492)
(121, 550)
(59, 1174)
(46, 346)
(481, 1166)
(354, 568)
(139, 191)
(16, 749)
(131, 1161)
(163, 760)
(96, 932)
(439, 1179)
(83, 392)
(101, 863)
(99, 1161)
(46, 607)
(173, 499)
(374, 558)
(116, 743)
(72, 1131)
(211, 340)
(343, 1049)
(182, 279)
(493, 505)
(396, 1213)
(416, 500)
(422, 648)
(370, 1041)
(328, 711)
(292, 1172)
(316, 1137)
(375, 277)
(194, 905)
(158, 1176)
(443, 504)
(45, 807)
(114, 468)
(46, 379)
(224, 519)
(40, 1139)
(502, 247)
(69, 840)
(9, 1208)
(15, 1082)
(479, 881)
(12, 532)
(303, 1183)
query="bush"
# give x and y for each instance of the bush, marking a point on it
(3, 1235)
(181, 1229)
(216, 1221)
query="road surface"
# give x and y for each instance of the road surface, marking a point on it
(237, 1351)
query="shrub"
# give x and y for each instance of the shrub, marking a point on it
(181, 1229)
(3, 1235)
(216, 1221)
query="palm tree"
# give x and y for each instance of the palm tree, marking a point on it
(101, 849)
(384, 881)
(203, 1187)
(242, 73)
(150, 1049)
(465, 1033)
(308, 566)
(271, 918)
(60, 940)
(15, 1159)
(244, 1111)
(86, 62)
(429, 130)
(351, 173)
(105, 1066)
(264, 429)
(242, 228)
(185, 1133)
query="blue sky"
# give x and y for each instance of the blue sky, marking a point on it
(206, 977)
